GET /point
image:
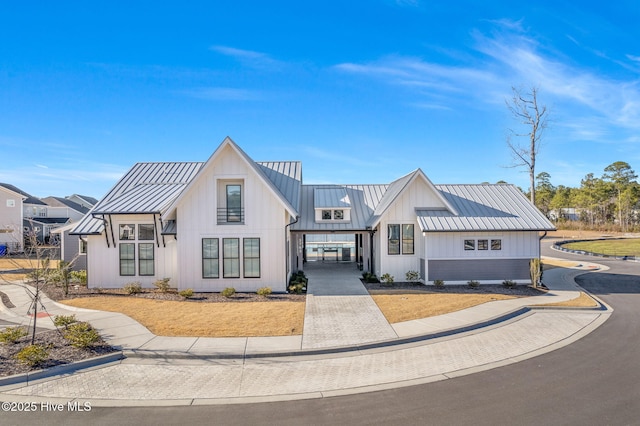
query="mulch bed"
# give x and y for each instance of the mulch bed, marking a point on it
(60, 352)
(409, 287)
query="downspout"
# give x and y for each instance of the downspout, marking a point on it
(540, 245)
(286, 250)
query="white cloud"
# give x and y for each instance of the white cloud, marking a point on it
(250, 58)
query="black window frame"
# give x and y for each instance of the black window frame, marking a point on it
(129, 262)
(144, 261)
(211, 258)
(233, 259)
(246, 258)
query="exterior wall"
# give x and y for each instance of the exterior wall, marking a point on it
(103, 263)
(264, 218)
(402, 212)
(448, 260)
(69, 251)
(11, 234)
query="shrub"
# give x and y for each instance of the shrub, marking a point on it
(32, 355)
(387, 279)
(509, 283)
(133, 288)
(162, 285)
(438, 283)
(79, 277)
(228, 292)
(412, 276)
(297, 288)
(64, 320)
(186, 293)
(369, 277)
(13, 334)
(81, 335)
(264, 291)
(473, 284)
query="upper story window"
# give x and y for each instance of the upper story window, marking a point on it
(145, 232)
(230, 202)
(127, 232)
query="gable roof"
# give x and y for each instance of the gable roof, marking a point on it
(27, 198)
(87, 199)
(484, 208)
(397, 187)
(287, 174)
(64, 202)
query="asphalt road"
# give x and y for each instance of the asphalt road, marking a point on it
(594, 381)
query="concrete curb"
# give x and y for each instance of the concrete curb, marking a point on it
(29, 378)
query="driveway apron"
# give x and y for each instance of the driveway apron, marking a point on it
(339, 310)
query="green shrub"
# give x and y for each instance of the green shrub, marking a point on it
(509, 283)
(133, 288)
(438, 283)
(162, 285)
(81, 335)
(473, 284)
(264, 291)
(64, 320)
(12, 334)
(297, 288)
(369, 277)
(186, 293)
(79, 277)
(387, 279)
(32, 355)
(228, 292)
(412, 276)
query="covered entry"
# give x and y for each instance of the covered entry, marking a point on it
(332, 248)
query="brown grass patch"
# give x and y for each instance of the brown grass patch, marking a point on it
(406, 307)
(582, 301)
(558, 263)
(171, 318)
(8, 264)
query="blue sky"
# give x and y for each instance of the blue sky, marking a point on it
(359, 91)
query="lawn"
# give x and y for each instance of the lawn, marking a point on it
(621, 247)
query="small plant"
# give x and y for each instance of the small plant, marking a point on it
(509, 283)
(298, 283)
(162, 285)
(79, 277)
(186, 293)
(412, 276)
(264, 291)
(64, 320)
(473, 284)
(369, 277)
(387, 279)
(297, 288)
(535, 271)
(11, 335)
(438, 283)
(33, 355)
(133, 288)
(81, 335)
(228, 292)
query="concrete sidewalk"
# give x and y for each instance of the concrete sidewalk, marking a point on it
(162, 370)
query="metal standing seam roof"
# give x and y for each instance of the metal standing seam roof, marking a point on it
(484, 208)
(363, 198)
(331, 198)
(286, 176)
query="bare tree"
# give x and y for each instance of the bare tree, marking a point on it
(525, 109)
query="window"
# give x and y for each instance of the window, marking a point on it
(407, 239)
(469, 244)
(145, 259)
(210, 258)
(127, 232)
(82, 246)
(231, 257)
(326, 214)
(234, 203)
(496, 244)
(338, 214)
(11, 203)
(394, 239)
(251, 257)
(145, 232)
(483, 245)
(127, 259)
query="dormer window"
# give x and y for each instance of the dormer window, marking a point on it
(332, 204)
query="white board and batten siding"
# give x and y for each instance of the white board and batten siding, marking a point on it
(103, 262)
(402, 212)
(264, 218)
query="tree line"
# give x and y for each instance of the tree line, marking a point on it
(610, 202)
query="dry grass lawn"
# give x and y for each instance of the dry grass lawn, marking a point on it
(10, 264)
(406, 307)
(559, 263)
(582, 301)
(171, 318)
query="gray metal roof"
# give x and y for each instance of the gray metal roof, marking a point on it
(484, 208)
(286, 176)
(64, 202)
(331, 198)
(364, 200)
(145, 188)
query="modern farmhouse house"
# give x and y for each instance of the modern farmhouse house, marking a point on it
(234, 222)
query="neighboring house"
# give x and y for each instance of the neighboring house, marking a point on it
(73, 248)
(234, 222)
(83, 200)
(11, 217)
